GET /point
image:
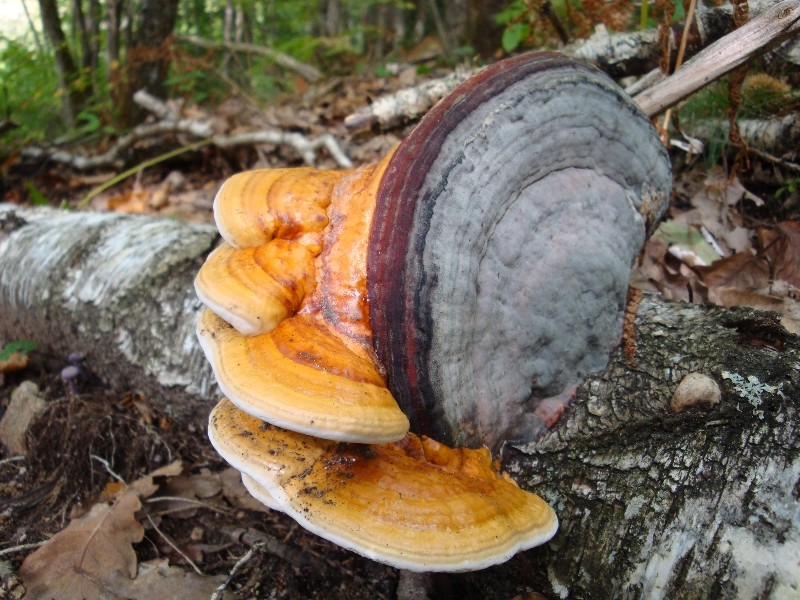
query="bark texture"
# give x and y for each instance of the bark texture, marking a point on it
(702, 503)
(653, 503)
(117, 289)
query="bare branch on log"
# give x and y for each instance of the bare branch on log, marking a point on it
(772, 27)
(171, 123)
(409, 103)
(155, 105)
(305, 147)
(618, 54)
(282, 59)
(652, 503)
(112, 155)
(623, 54)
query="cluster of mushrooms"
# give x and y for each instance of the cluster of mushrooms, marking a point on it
(346, 306)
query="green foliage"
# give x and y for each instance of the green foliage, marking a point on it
(512, 13)
(762, 97)
(20, 347)
(791, 187)
(514, 35)
(516, 30)
(29, 93)
(35, 195)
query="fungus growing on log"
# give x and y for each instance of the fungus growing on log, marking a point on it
(465, 284)
(415, 504)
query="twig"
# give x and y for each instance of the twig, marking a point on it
(170, 124)
(22, 547)
(304, 146)
(11, 459)
(199, 503)
(284, 60)
(111, 472)
(678, 63)
(156, 106)
(772, 27)
(173, 546)
(276, 547)
(774, 159)
(138, 168)
(243, 560)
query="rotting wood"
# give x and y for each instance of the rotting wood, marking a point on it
(652, 503)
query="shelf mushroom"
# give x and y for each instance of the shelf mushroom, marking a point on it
(461, 287)
(415, 504)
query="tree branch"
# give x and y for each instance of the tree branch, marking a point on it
(171, 123)
(284, 60)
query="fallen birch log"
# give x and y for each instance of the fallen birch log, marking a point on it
(776, 136)
(656, 498)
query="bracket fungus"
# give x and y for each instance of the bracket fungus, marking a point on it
(459, 288)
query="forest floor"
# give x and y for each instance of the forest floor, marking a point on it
(727, 241)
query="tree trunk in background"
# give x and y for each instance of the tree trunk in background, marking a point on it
(653, 503)
(72, 97)
(147, 58)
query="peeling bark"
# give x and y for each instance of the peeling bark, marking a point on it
(653, 504)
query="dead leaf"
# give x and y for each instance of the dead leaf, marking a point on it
(93, 557)
(687, 244)
(132, 201)
(146, 486)
(782, 246)
(233, 489)
(740, 271)
(201, 486)
(25, 405)
(88, 558)
(156, 579)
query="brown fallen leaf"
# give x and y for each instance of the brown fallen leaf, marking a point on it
(741, 271)
(93, 557)
(236, 493)
(782, 246)
(194, 488)
(88, 558)
(157, 579)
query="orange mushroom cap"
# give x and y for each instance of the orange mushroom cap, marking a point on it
(254, 289)
(413, 504)
(289, 337)
(303, 378)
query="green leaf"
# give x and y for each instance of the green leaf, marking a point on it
(515, 10)
(35, 195)
(687, 239)
(20, 346)
(90, 122)
(514, 35)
